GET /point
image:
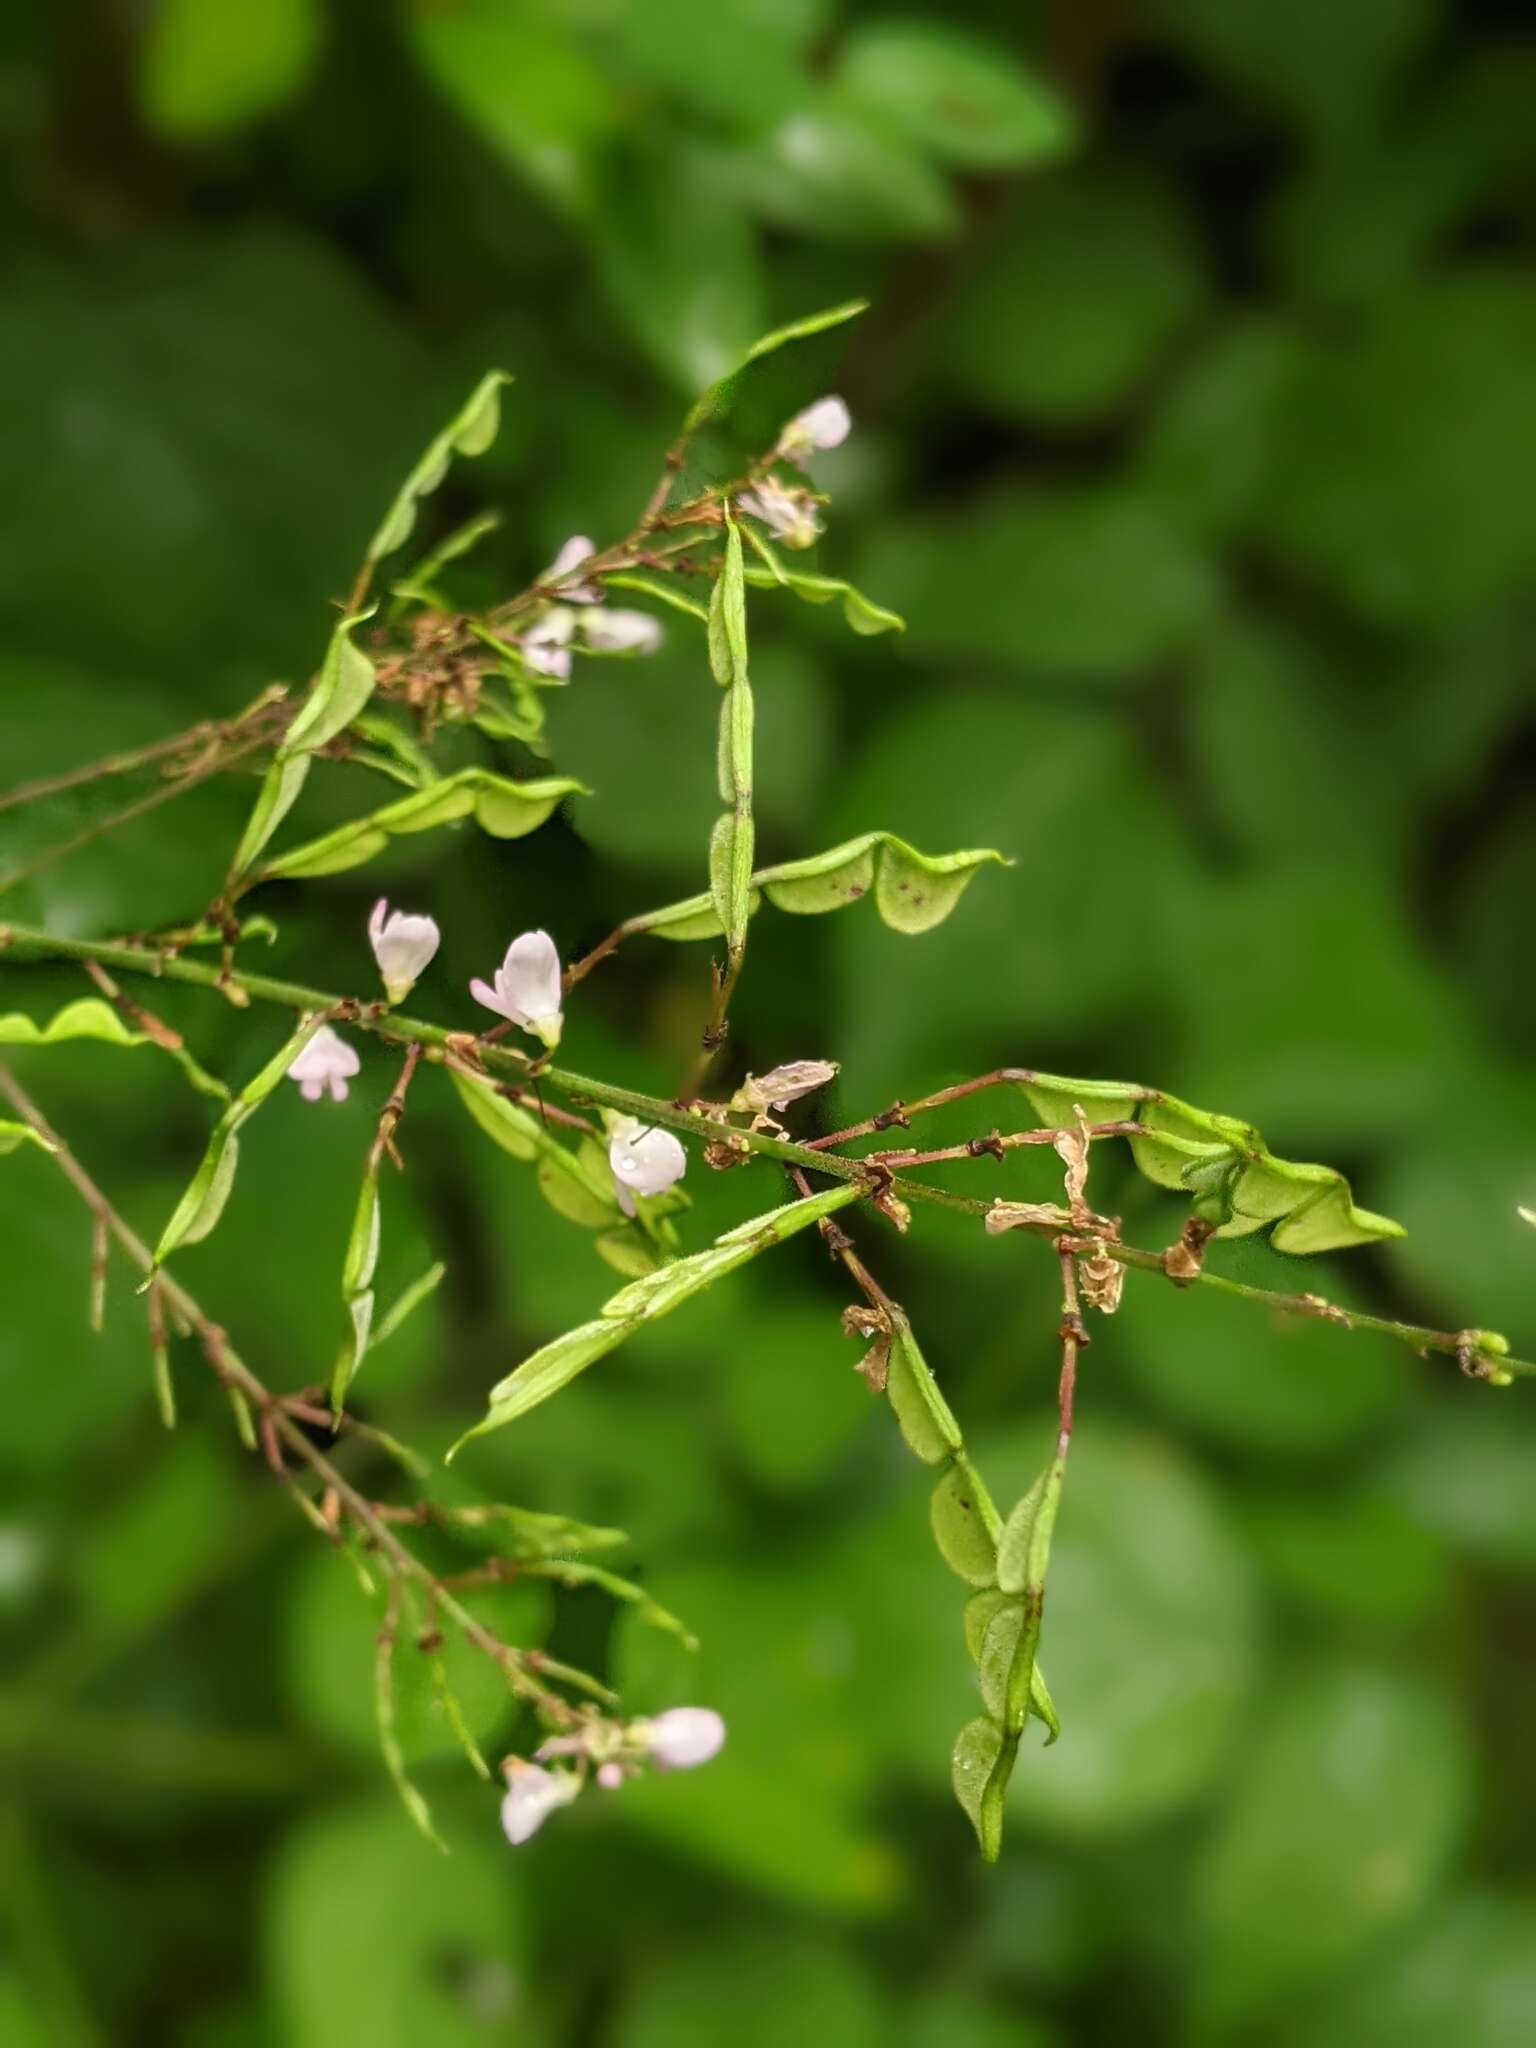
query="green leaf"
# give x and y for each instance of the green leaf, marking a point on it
(207, 69)
(1221, 1160)
(644, 1300)
(663, 592)
(405, 1303)
(967, 1544)
(203, 1202)
(980, 1765)
(358, 1268)
(965, 99)
(717, 398)
(503, 808)
(344, 685)
(728, 613)
(341, 690)
(86, 1017)
(13, 1136)
(913, 891)
(863, 615)
(389, 1741)
(470, 432)
(923, 1414)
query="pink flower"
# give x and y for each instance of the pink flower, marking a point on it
(325, 1062)
(575, 551)
(826, 424)
(527, 988)
(531, 1797)
(403, 946)
(645, 1159)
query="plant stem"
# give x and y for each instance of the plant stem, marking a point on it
(1469, 1347)
(518, 1666)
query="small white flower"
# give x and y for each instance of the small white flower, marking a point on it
(788, 514)
(786, 1084)
(646, 1160)
(325, 1062)
(682, 1737)
(403, 945)
(546, 646)
(826, 424)
(576, 550)
(531, 1797)
(527, 990)
(620, 632)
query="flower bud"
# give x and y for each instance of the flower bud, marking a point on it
(682, 1737)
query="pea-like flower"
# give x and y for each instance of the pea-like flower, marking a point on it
(789, 515)
(403, 945)
(784, 1085)
(527, 988)
(561, 570)
(326, 1061)
(645, 1159)
(532, 1795)
(546, 646)
(619, 631)
(826, 424)
(682, 1737)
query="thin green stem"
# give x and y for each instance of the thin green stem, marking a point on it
(1470, 1348)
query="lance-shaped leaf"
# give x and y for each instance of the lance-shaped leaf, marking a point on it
(716, 398)
(203, 1202)
(663, 592)
(645, 1300)
(405, 1304)
(389, 1740)
(419, 585)
(357, 1273)
(470, 432)
(1238, 1184)
(732, 841)
(863, 615)
(502, 808)
(572, 1575)
(913, 891)
(341, 690)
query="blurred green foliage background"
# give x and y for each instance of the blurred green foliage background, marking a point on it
(1196, 438)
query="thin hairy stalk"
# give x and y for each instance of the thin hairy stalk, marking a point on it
(1468, 1347)
(993, 1145)
(193, 778)
(520, 1667)
(110, 764)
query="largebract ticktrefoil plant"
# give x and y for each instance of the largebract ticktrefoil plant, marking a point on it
(406, 667)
